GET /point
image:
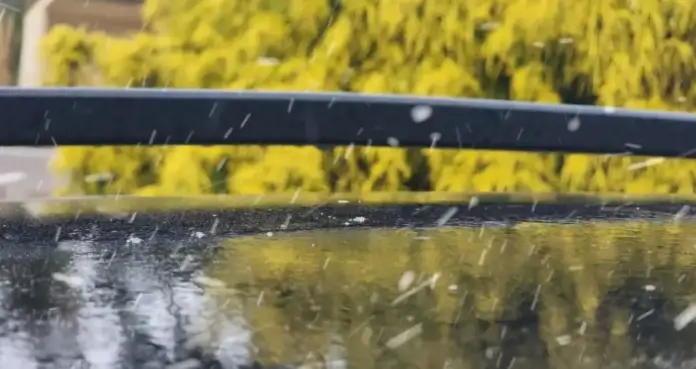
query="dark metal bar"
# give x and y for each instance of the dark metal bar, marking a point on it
(84, 116)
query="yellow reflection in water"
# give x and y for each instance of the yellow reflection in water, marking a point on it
(532, 296)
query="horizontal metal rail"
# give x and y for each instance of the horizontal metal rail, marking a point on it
(87, 116)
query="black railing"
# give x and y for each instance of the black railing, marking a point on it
(85, 116)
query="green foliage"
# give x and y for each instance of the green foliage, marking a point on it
(615, 52)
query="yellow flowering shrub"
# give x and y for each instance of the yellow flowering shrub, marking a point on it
(636, 54)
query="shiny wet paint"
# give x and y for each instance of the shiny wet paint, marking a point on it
(352, 286)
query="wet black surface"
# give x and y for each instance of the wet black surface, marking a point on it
(168, 290)
(108, 305)
(182, 224)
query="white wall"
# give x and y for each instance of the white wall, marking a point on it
(35, 26)
(36, 178)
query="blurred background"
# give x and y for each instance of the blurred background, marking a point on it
(23, 25)
(619, 53)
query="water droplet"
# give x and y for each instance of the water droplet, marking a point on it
(447, 216)
(72, 281)
(265, 61)
(406, 280)
(574, 124)
(564, 340)
(685, 317)
(11, 177)
(421, 113)
(208, 282)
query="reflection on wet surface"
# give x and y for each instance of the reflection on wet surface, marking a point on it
(126, 305)
(586, 295)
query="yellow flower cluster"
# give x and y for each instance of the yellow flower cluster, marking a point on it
(635, 54)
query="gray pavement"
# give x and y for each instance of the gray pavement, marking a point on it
(24, 172)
